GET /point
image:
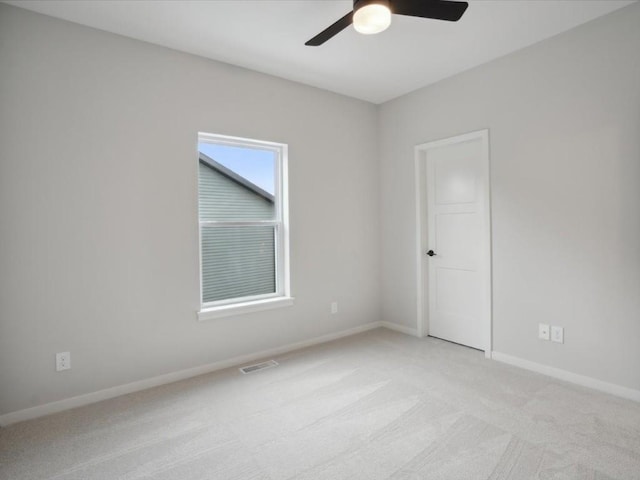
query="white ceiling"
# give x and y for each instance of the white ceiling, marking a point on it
(269, 35)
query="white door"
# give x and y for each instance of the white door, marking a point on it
(458, 232)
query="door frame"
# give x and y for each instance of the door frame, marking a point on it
(422, 320)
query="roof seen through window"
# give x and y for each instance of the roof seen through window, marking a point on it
(257, 166)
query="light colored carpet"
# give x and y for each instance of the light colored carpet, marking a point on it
(379, 405)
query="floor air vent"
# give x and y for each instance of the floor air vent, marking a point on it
(258, 366)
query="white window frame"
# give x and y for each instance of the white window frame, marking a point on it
(282, 296)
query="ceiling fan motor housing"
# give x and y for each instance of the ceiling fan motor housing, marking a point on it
(358, 4)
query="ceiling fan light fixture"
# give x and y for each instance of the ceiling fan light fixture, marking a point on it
(374, 16)
(371, 17)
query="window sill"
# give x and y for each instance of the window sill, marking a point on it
(242, 308)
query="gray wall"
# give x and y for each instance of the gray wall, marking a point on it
(564, 120)
(98, 202)
(98, 208)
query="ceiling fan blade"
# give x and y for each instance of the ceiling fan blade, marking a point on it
(330, 31)
(437, 9)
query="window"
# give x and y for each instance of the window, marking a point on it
(242, 204)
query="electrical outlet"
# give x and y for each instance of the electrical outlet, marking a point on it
(334, 308)
(543, 331)
(557, 334)
(63, 361)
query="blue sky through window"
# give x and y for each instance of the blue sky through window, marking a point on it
(257, 166)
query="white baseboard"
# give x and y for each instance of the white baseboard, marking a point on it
(590, 382)
(107, 393)
(400, 328)
(86, 399)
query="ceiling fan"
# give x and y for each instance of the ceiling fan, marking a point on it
(374, 16)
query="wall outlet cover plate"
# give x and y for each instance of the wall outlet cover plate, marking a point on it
(63, 361)
(543, 331)
(557, 334)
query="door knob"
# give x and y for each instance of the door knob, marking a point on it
(431, 253)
